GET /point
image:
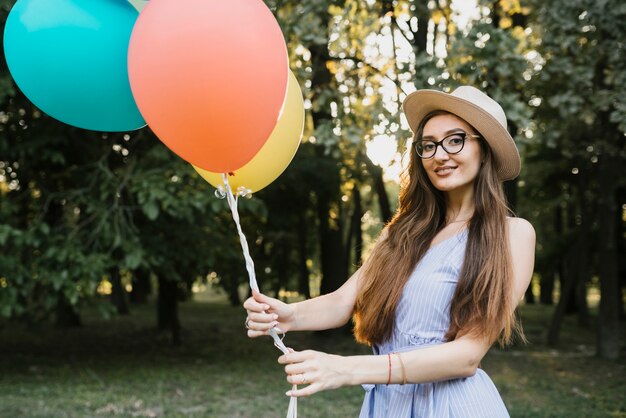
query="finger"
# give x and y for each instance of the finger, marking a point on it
(252, 305)
(286, 358)
(262, 317)
(254, 334)
(297, 368)
(296, 357)
(261, 326)
(305, 391)
(269, 303)
(298, 379)
(260, 297)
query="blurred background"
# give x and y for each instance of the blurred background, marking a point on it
(121, 273)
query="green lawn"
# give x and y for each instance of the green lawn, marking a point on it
(123, 367)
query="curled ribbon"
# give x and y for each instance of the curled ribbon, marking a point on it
(232, 199)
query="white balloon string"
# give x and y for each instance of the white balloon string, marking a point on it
(292, 412)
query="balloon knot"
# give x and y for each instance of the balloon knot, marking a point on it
(220, 193)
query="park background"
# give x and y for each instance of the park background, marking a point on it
(121, 275)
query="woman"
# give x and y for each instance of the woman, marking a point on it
(442, 282)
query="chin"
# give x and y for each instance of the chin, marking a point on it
(445, 186)
(448, 184)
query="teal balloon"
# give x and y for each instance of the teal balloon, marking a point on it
(69, 57)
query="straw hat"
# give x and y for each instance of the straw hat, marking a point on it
(477, 109)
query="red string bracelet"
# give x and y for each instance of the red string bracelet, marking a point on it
(389, 360)
(403, 369)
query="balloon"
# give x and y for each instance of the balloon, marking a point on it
(138, 4)
(209, 77)
(69, 58)
(277, 152)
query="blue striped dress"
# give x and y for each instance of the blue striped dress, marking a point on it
(422, 319)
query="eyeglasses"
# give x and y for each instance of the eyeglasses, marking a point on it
(452, 144)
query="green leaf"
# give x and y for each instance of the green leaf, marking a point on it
(5, 310)
(133, 259)
(151, 209)
(5, 233)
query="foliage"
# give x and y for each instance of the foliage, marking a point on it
(579, 117)
(75, 205)
(579, 93)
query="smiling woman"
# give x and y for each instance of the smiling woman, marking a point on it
(447, 167)
(440, 286)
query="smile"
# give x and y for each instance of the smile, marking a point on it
(444, 170)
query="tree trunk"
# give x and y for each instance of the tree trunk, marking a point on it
(332, 253)
(568, 283)
(621, 249)
(549, 275)
(609, 330)
(569, 271)
(546, 286)
(66, 315)
(141, 287)
(282, 271)
(355, 230)
(167, 309)
(583, 270)
(567, 289)
(495, 15)
(303, 269)
(333, 260)
(358, 231)
(231, 285)
(583, 275)
(422, 13)
(118, 293)
(376, 174)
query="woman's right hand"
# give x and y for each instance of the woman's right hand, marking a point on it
(265, 313)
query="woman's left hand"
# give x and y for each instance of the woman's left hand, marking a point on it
(320, 371)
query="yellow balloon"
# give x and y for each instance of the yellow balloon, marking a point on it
(277, 152)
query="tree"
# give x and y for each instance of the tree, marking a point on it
(581, 117)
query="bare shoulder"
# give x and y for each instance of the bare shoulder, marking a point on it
(522, 247)
(520, 231)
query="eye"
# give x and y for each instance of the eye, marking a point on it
(427, 146)
(456, 139)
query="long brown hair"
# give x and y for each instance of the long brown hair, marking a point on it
(482, 302)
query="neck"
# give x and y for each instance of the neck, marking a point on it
(460, 204)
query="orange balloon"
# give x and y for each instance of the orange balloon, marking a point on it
(276, 153)
(209, 77)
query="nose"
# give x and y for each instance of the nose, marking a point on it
(441, 154)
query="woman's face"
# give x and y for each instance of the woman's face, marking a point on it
(449, 172)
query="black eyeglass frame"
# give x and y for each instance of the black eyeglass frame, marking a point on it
(440, 144)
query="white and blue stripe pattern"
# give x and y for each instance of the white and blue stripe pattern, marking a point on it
(422, 319)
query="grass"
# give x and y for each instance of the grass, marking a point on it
(566, 381)
(123, 367)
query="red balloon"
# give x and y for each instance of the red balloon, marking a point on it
(209, 77)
